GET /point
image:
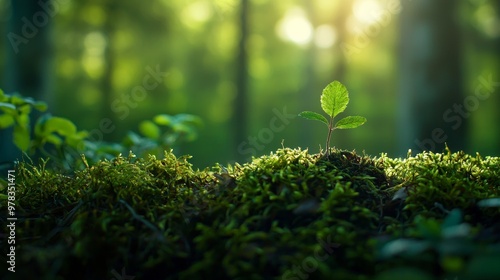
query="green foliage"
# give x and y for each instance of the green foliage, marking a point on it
(334, 100)
(15, 111)
(59, 139)
(261, 219)
(55, 131)
(162, 133)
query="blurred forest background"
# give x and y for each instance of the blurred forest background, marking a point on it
(422, 72)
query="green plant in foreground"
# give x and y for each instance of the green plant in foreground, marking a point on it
(334, 100)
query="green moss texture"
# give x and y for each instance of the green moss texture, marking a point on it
(287, 215)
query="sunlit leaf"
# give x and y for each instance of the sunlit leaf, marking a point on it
(163, 119)
(334, 98)
(24, 109)
(7, 108)
(16, 99)
(21, 137)
(23, 120)
(314, 116)
(150, 130)
(6, 121)
(350, 122)
(60, 125)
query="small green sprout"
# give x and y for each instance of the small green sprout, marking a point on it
(334, 100)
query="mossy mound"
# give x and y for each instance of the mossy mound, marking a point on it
(287, 215)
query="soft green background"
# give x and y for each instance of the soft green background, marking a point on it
(101, 49)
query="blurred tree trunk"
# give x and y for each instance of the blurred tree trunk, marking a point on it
(240, 120)
(430, 85)
(28, 60)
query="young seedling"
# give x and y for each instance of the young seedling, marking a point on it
(334, 100)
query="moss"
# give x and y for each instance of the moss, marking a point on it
(286, 215)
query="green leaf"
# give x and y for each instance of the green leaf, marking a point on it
(132, 139)
(454, 218)
(400, 246)
(7, 107)
(16, 99)
(188, 132)
(40, 124)
(60, 125)
(77, 140)
(334, 98)
(40, 106)
(21, 137)
(150, 130)
(489, 202)
(163, 119)
(54, 139)
(188, 119)
(350, 122)
(428, 228)
(6, 121)
(24, 109)
(23, 120)
(314, 116)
